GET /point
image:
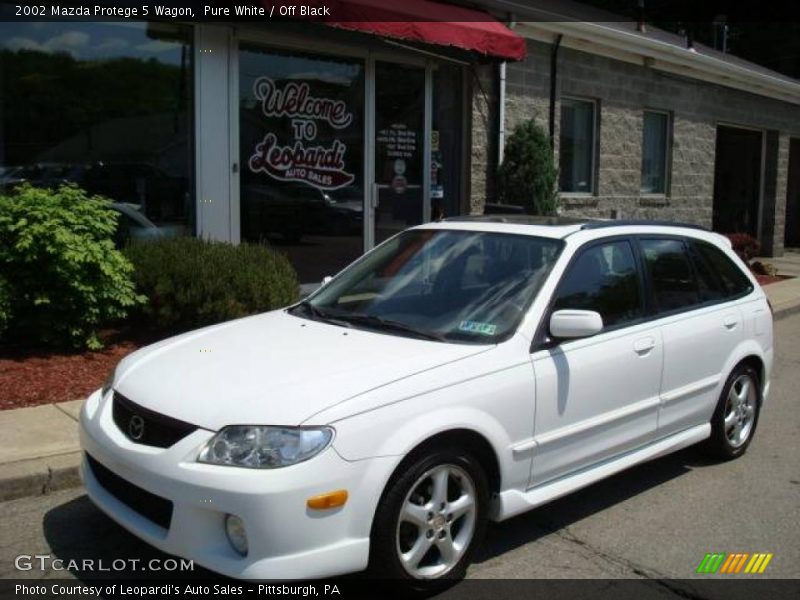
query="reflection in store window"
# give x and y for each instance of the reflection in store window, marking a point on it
(103, 105)
(301, 123)
(447, 139)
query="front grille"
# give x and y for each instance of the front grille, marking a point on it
(144, 426)
(155, 508)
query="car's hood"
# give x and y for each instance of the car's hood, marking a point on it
(272, 369)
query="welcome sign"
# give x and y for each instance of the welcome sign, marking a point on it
(321, 166)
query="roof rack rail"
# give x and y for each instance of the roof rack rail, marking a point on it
(520, 219)
(639, 222)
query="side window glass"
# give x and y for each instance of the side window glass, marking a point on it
(736, 283)
(673, 283)
(603, 279)
(710, 284)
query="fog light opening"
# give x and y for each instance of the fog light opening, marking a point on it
(237, 536)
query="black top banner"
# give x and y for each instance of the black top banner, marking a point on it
(653, 11)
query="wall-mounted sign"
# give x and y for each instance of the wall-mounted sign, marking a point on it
(321, 166)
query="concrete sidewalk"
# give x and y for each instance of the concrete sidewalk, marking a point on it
(40, 449)
(41, 452)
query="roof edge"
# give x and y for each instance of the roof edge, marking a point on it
(664, 56)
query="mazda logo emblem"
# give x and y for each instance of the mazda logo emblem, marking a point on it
(136, 427)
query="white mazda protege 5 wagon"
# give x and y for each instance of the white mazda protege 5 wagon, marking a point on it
(461, 371)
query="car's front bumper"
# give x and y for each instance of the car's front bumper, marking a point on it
(287, 540)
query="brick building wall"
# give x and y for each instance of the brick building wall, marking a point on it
(623, 91)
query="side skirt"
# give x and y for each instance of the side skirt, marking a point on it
(513, 502)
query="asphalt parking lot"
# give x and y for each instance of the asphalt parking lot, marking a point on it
(655, 521)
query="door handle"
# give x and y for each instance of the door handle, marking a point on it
(375, 200)
(730, 322)
(644, 345)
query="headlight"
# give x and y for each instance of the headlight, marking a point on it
(265, 447)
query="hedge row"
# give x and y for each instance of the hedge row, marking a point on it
(62, 278)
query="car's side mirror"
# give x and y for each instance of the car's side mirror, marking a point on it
(326, 279)
(571, 324)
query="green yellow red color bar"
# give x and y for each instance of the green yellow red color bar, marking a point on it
(735, 562)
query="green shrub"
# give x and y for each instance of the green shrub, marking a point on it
(191, 283)
(63, 277)
(527, 176)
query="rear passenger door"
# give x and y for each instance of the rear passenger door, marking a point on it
(698, 324)
(596, 397)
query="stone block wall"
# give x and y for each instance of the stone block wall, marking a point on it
(622, 92)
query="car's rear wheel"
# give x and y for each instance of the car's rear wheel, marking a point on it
(429, 520)
(736, 416)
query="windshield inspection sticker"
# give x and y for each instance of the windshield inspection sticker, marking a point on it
(478, 327)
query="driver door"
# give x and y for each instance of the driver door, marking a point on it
(597, 397)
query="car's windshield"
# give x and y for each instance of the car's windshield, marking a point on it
(447, 285)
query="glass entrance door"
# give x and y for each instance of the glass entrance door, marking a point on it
(399, 148)
(332, 150)
(301, 135)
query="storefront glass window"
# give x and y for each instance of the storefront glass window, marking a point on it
(106, 106)
(301, 131)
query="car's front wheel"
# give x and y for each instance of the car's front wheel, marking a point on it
(430, 519)
(736, 416)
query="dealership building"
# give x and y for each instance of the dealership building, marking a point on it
(324, 138)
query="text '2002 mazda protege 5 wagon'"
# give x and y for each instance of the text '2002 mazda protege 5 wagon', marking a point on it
(461, 371)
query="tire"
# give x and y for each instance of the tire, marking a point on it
(438, 539)
(740, 404)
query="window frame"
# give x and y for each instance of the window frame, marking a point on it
(668, 143)
(687, 242)
(696, 258)
(694, 244)
(542, 339)
(593, 187)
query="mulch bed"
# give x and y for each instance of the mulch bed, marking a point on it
(31, 376)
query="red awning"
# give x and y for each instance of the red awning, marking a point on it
(426, 21)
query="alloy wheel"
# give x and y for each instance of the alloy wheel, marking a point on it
(740, 410)
(437, 522)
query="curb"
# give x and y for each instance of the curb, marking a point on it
(785, 311)
(39, 476)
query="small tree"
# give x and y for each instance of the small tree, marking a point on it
(527, 176)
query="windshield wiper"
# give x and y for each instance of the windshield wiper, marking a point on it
(388, 325)
(319, 314)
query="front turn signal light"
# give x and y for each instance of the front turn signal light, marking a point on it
(326, 501)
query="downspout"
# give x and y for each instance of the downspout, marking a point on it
(553, 87)
(501, 116)
(501, 113)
